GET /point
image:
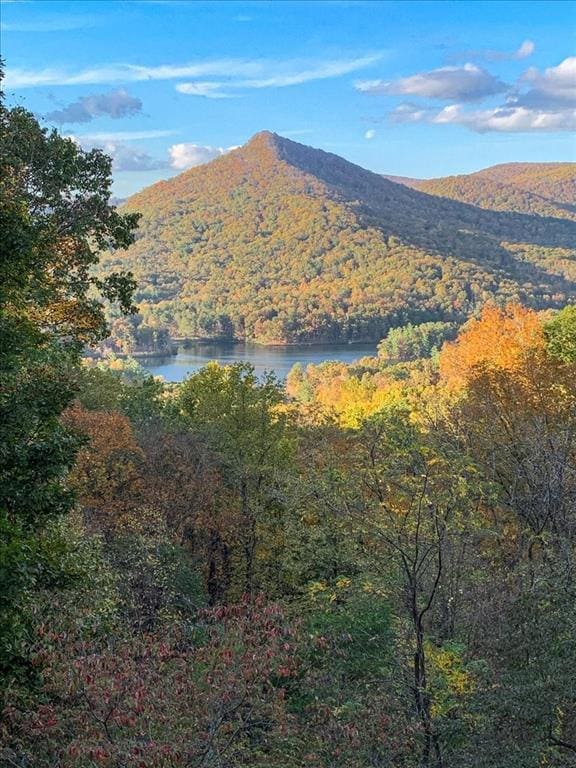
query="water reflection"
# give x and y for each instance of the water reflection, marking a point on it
(277, 359)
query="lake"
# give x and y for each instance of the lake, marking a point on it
(277, 359)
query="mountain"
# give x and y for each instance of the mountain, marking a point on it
(407, 181)
(553, 181)
(278, 242)
(543, 189)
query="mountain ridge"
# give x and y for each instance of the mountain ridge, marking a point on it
(279, 242)
(543, 189)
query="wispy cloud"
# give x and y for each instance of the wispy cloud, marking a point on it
(278, 75)
(125, 135)
(243, 73)
(62, 24)
(115, 104)
(296, 132)
(210, 90)
(523, 51)
(466, 83)
(370, 134)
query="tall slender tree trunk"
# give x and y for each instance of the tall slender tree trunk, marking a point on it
(431, 750)
(249, 536)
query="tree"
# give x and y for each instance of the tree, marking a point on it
(517, 406)
(560, 335)
(415, 507)
(245, 423)
(510, 382)
(411, 342)
(55, 219)
(107, 471)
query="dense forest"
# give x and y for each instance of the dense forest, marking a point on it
(542, 189)
(278, 242)
(372, 566)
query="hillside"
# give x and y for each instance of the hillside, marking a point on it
(553, 181)
(541, 189)
(279, 242)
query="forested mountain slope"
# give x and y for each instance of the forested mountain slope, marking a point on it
(554, 181)
(543, 189)
(280, 242)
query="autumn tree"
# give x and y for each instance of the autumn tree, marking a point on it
(56, 219)
(244, 421)
(511, 387)
(518, 401)
(416, 508)
(107, 472)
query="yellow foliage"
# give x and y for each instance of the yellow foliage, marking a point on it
(449, 678)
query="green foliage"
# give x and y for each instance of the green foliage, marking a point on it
(350, 625)
(239, 413)
(245, 423)
(138, 395)
(561, 335)
(412, 342)
(55, 218)
(159, 582)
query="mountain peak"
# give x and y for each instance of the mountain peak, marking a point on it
(264, 140)
(263, 137)
(277, 241)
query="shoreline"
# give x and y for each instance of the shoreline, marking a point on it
(182, 343)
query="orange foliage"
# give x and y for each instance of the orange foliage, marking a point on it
(503, 339)
(107, 473)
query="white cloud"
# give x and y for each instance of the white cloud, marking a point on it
(466, 83)
(410, 113)
(256, 73)
(124, 157)
(505, 119)
(555, 88)
(209, 90)
(526, 49)
(549, 105)
(128, 158)
(370, 134)
(508, 119)
(187, 155)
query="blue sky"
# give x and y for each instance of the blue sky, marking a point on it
(411, 88)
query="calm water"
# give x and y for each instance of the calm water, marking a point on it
(276, 359)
